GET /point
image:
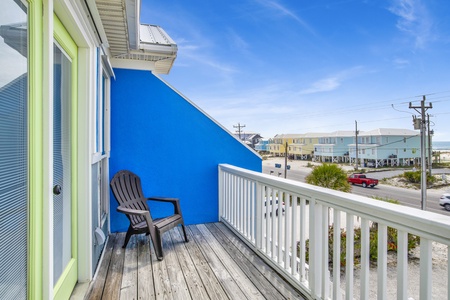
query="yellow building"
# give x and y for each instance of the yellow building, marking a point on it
(300, 145)
(277, 144)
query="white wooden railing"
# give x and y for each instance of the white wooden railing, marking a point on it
(247, 206)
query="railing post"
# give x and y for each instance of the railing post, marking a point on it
(221, 191)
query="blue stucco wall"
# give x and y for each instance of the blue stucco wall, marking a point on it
(173, 147)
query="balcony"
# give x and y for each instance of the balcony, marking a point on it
(273, 242)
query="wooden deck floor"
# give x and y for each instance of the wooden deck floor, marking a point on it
(214, 264)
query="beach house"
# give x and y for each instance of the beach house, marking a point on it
(387, 147)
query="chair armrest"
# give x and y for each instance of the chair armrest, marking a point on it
(137, 212)
(130, 211)
(174, 201)
(164, 199)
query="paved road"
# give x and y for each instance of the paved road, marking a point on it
(408, 197)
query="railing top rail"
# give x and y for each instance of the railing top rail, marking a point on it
(424, 223)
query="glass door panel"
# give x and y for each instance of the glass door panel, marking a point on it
(62, 200)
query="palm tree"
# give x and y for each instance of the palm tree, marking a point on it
(329, 176)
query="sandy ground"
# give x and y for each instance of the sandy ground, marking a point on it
(438, 279)
(439, 257)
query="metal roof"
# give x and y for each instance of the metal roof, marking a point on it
(127, 39)
(389, 131)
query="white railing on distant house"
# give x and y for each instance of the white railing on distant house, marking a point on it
(280, 219)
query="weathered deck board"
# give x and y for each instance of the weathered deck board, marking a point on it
(278, 282)
(99, 283)
(215, 264)
(113, 281)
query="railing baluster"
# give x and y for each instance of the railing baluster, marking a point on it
(295, 247)
(302, 239)
(289, 253)
(315, 247)
(249, 214)
(402, 265)
(365, 264)
(242, 205)
(279, 216)
(382, 262)
(425, 268)
(336, 254)
(253, 212)
(259, 213)
(266, 203)
(324, 245)
(233, 201)
(349, 260)
(273, 251)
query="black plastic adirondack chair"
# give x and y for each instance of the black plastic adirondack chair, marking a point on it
(126, 187)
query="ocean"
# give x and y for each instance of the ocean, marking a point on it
(441, 145)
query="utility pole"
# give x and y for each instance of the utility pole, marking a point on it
(285, 159)
(430, 149)
(356, 134)
(239, 126)
(423, 179)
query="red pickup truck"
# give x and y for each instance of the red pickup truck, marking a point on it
(363, 180)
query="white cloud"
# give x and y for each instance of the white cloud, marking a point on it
(332, 82)
(277, 7)
(322, 85)
(237, 41)
(414, 20)
(400, 63)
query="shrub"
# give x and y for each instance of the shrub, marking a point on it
(329, 176)
(414, 177)
(413, 242)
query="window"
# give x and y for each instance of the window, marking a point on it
(13, 149)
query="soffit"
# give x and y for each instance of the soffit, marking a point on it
(113, 16)
(129, 40)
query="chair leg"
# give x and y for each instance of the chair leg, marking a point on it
(157, 243)
(128, 236)
(184, 231)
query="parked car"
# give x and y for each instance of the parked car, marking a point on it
(444, 201)
(363, 180)
(276, 207)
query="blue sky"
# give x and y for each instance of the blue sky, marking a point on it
(282, 66)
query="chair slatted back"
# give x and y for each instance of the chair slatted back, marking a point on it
(127, 190)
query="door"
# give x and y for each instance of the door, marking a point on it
(64, 163)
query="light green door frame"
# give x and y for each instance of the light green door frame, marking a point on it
(36, 150)
(64, 287)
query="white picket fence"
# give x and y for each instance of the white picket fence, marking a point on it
(278, 218)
